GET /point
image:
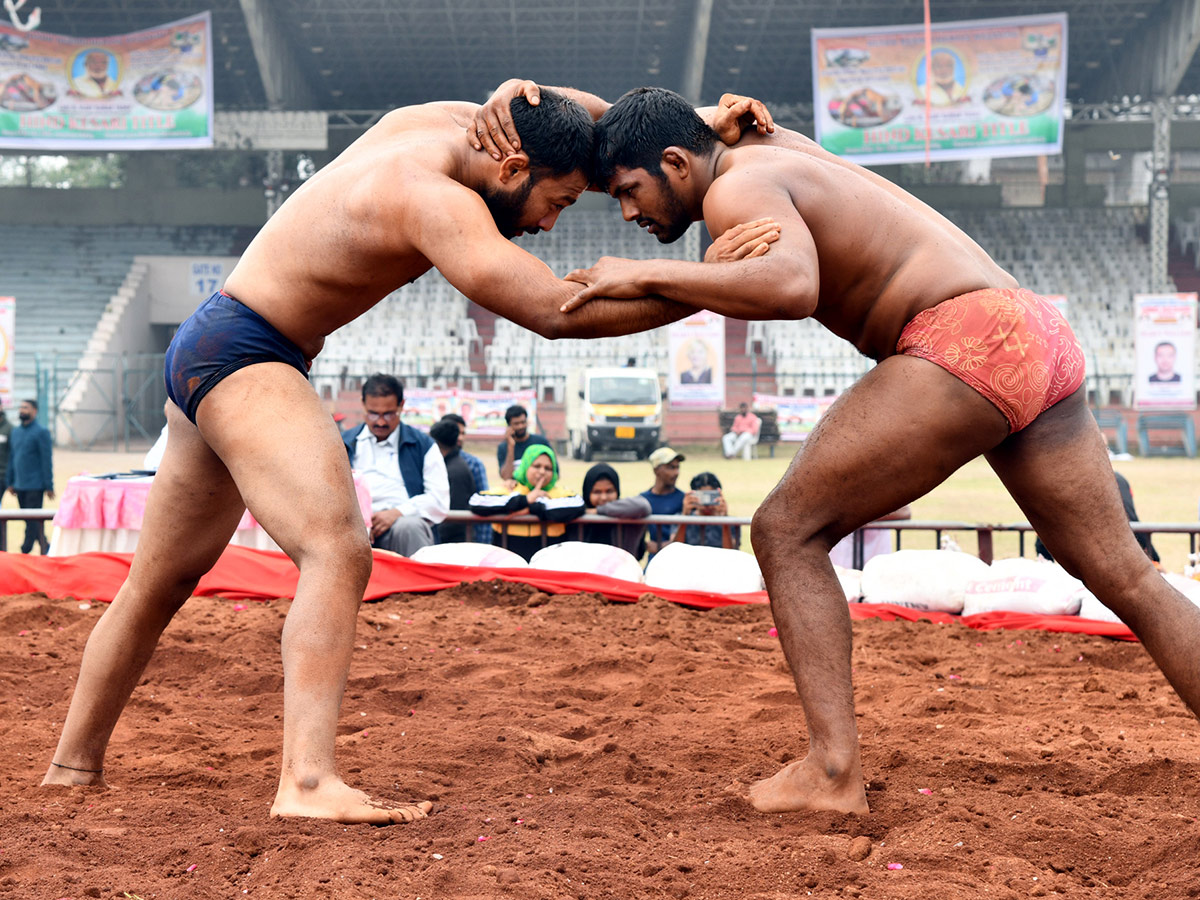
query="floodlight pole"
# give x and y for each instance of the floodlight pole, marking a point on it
(1160, 202)
(273, 188)
(693, 67)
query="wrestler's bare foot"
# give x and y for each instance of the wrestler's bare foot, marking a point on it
(806, 785)
(331, 798)
(73, 777)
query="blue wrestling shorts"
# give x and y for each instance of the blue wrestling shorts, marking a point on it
(219, 338)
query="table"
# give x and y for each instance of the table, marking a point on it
(106, 514)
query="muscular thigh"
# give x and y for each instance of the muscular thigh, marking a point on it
(894, 436)
(1059, 473)
(283, 450)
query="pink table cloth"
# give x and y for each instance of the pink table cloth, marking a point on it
(112, 503)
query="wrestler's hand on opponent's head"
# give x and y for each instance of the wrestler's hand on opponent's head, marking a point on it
(611, 277)
(744, 241)
(736, 114)
(492, 128)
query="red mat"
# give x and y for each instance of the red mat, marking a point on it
(242, 573)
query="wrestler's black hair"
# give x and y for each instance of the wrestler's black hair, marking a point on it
(445, 433)
(380, 385)
(634, 132)
(556, 134)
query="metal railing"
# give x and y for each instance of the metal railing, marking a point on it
(984, 532)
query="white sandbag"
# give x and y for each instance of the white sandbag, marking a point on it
(600, 559)
(684, 567)
(851, 581)
(1032, 586)
(1090, 607)
(921, 579)
(469, 553)
(1189, 587)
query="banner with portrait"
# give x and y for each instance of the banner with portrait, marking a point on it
(142, 91)
(696, 350)
(1165, 351)
(794, 416)
(8, 318)
(482, 410)
(997, 89)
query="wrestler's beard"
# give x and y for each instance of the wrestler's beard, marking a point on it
(678, 221)
(508, 208)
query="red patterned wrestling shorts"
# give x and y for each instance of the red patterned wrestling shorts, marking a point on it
(1012, 346)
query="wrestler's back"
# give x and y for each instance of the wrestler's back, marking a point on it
(883, 255)
(339, 244)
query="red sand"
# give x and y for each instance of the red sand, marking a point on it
(576, 748)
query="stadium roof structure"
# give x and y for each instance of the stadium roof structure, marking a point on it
(379, 54)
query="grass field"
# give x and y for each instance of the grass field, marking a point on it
(1164, 490)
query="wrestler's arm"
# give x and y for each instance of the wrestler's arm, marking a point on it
(501, 277)
(493, 129)
(781, 284)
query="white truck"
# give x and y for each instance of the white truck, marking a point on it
(614, 409)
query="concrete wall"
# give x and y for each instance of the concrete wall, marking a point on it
(174, 289)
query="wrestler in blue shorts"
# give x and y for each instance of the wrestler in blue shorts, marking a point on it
(219, 338)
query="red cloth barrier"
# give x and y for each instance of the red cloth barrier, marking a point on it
(247, 574)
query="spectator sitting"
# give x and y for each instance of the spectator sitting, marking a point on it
(402, 467)
(482, 532)
(707, 499)
(743, 434)
(516, 440)
(1130, 513)
(602, 494)
(665, 499)
(535, 489)
(462, 482)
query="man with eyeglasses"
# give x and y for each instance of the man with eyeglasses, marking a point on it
(403, 468)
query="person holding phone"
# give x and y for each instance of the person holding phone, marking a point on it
(706, 498)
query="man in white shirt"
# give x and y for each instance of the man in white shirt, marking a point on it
(401, 466)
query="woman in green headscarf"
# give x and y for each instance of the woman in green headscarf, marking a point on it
(537, 491)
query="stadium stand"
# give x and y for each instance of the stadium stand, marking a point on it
(64, 277)
(428, 330)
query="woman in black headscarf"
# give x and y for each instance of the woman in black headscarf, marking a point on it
(602, 495)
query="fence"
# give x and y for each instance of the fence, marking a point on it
(124, 403)
(984, 533)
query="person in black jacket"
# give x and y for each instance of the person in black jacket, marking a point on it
(462, 482)
(602, 494)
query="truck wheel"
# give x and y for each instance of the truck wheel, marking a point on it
(588, 450)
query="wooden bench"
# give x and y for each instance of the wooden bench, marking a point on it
(768, 431)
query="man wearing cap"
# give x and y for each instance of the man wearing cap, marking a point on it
(665, 499)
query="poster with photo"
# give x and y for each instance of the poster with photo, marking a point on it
(8, 317)
(696, 350)
(483, 411)
(997, 89)
(141, 91)
(1165, 351)
(795, 417)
